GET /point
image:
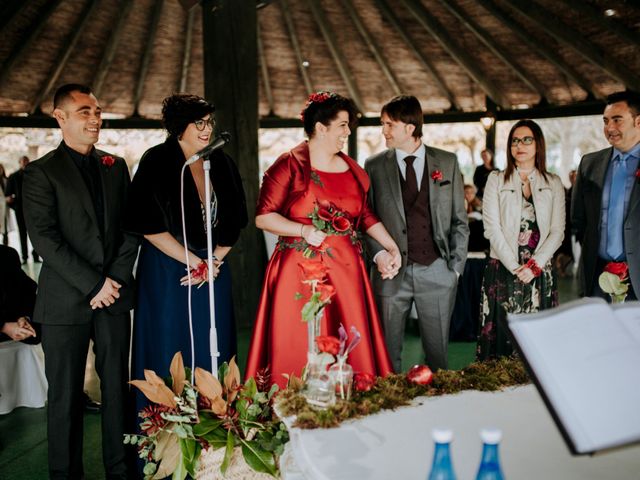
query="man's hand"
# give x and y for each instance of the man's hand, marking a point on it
(19, 330)
(107, 295)
(388, 264)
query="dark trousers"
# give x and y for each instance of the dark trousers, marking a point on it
(65, 348)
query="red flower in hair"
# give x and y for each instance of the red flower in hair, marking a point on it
(108, 160)
(317, 97)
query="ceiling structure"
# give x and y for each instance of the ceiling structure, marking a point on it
(456, 56)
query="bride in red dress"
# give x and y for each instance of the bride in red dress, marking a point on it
(317, 172)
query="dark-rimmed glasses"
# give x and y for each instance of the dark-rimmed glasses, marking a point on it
(524, 140)
(201, 123)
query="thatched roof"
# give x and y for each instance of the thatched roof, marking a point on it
(452, 54)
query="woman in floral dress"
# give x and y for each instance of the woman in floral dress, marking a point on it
(524, 218)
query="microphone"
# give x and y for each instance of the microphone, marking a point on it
(219, 142)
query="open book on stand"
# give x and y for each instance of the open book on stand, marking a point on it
(584, 358)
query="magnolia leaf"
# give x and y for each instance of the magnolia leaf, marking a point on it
(258, 458)
(180, 473)
(210, 387)
(228, 453)
(232, 380)
(157, 393)
(190, 452)
(611, 283)
(171, 455)
(177, 373)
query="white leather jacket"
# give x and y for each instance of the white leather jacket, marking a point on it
(502, 210)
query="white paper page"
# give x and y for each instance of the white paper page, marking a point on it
(629, 315)
(588, 364)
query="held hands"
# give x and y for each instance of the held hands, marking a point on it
(19, 330)
(312, 236)
(389, 263)
(107, 295)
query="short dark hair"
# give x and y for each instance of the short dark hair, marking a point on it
(324, 107)
(541, 148)
(64, 93)
(632, 98)
(180, 109)
(405, 109)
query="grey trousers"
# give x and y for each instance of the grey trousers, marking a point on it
(433, 289)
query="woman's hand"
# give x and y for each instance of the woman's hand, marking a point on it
(524, 274)
(389, 263)
(199, 273)
(312, 236)
(19, 330)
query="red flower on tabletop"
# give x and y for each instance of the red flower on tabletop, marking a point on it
(436, 176)
(363, 382)
(326, 291)
(328, 344)
(108, 160)
(313, 271)
(341, 223)
(621, 269)
(420, 374)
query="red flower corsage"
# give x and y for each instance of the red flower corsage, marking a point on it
(436, 176)
(533, 266)
(200, 273)
(108, 160)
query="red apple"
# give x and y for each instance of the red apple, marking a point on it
(420, 374)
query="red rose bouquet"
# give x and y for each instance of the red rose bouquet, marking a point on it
(614, 280)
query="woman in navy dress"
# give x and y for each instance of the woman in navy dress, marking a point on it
(161, 321)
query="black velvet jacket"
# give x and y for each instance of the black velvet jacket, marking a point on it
(154, 197)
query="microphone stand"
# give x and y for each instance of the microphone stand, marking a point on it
(213, 333)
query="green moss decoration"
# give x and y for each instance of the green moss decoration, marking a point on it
(395, 391)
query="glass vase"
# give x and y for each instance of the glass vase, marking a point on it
(342, 375)
(318, 390)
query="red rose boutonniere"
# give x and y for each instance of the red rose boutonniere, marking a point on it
(436, 176)
(108, 160)
(638, 175)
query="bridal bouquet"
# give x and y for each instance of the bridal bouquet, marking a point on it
(328, 218)
(186, 419)
(614, 280)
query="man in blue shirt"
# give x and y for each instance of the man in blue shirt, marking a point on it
(605, 208)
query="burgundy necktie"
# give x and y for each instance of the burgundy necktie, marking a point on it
(411, 180)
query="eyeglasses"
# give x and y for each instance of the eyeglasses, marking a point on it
(524, 140)
(201, 123)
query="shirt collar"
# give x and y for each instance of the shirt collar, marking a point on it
(419, 153)
(634, 152)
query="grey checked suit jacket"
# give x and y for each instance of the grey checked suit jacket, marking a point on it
(586, 203)
(448, 215)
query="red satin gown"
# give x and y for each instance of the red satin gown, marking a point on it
(280, 336)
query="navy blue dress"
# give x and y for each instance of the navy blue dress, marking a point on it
(161, 322)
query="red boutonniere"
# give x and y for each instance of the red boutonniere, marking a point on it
(638, 175)
(436, 176)
(108, 160)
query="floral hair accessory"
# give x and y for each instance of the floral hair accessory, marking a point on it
(108, 160)
(436, 176)
(318, 97)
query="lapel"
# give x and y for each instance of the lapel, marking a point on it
(106, 175)
(70, 171)
(634, 199)
(431, 164)
(393, 177)
(600, 168)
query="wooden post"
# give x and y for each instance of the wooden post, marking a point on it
(231, 83)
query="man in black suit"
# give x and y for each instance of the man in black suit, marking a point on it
(605, 203)
(13, 195)
(74, 198)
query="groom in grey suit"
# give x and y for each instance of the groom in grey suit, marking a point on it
(417, 192)
(605, 205)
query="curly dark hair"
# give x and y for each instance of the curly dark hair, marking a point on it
(180, 109)
(324, 109)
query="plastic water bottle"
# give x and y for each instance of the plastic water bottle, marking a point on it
(490, 464)
(442, 469)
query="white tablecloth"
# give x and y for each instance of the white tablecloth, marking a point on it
(22, 379)
(397, 445)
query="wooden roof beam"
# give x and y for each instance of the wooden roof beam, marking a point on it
(607, 23)
(146, 58)
(18, 54)
(485, 37)
(373, 47)
(435, 28)
(266, 82)
(426, 63)
(110, 49)
(10, 10)
(293, 38)
(336, 53)
(571, 37)
(63, 58)
(186, 55)
(548, 53)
